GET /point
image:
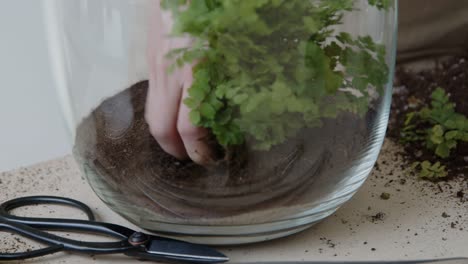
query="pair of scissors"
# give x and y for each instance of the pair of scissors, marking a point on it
(129, 242)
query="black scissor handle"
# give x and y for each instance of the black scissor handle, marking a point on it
(7, 206)
(90, 225)
(30, 254)
(33, 228)
(51, 249)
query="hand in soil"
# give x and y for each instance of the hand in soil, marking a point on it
(166, 114)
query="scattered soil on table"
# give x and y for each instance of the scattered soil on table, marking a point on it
(114, 143)
(380, 216)
(14, 244)
(384, 196)
(412, 91)
(328, 242)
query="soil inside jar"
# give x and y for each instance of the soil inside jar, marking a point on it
(114, 142)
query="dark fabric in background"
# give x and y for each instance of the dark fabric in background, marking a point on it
(429, 28)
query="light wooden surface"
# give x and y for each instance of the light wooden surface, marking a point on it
(412, 225)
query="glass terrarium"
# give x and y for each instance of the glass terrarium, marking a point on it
(289, 98)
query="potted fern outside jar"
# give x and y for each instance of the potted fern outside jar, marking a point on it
(224, 121)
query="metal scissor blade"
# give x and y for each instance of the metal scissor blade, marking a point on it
(184, 251)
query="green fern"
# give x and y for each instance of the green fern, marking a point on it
(428, 171)
(446, 127)
(268, 68)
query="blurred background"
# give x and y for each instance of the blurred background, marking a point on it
(31, 126)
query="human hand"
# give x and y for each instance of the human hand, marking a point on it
(166, 114)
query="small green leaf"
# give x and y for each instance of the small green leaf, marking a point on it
(195, 117)
(435, 139)
(426, 165)
(414, 165)
(438, 130)
(213, 101)
(438, 94)
(442, 173)
(460, 122)
(360, 83)
(451, 134)
(442, 151)
(240, 98)
(191, 102)
(207, 111)
(345, 38)
(221, 90)
(450, 124)
(278, 107)
(311, 24)
(435, 166)
(437, 133)
(451, 144)
(294, 104)
(252, 103)
(224, 117)
(232, 92)
(197, 94)
(409, 118)
(425, 173)
(280, 90)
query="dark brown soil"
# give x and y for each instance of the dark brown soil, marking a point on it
(125, 163)
(412, 92)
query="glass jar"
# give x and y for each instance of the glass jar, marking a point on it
(294, 97)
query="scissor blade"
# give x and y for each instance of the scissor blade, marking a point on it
(185, 252)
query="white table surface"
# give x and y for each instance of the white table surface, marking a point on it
(412, 227)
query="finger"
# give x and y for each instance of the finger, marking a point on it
(164, 92)
(161, 116)
(193, 137)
